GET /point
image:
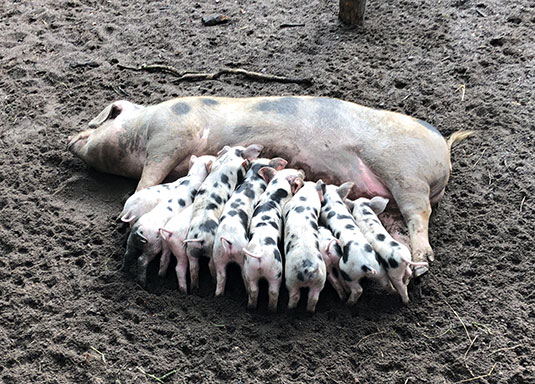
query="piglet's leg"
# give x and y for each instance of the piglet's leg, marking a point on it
(397, 281)
(356, 291)
(415, 207)
(253, 294)
(221, 278)
(295, 295)
(336, 284)
(142, 264)
(313, 297)
(164, 259)
(130, 254)
(182, 270)
(273, 291)
(194, 272)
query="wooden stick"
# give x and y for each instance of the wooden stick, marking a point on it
(461, 320)
(198, 76)
(478, 377)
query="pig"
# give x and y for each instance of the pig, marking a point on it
(145, 200)
(227, 171)
(358, 257)
(393, 256)
(332, 253)
(263, 258)
(304, 266)
(231, 236)
(173, 235)
(145, 237)
(383, 153)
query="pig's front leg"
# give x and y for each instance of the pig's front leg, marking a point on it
(313, 297)
(130, 254)
(415, 206)
(253, 294)
(165, 259)
(336, 284)
(294, 296)
(142, 264)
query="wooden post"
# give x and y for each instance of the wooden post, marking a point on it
(352, 12)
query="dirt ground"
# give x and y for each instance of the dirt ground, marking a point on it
(67, 316)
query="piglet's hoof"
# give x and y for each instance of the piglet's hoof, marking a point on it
(419, 271)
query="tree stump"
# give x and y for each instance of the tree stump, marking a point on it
(352, 12)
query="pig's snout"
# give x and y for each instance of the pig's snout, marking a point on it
(78, 140)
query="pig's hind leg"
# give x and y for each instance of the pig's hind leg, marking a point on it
(415, 206)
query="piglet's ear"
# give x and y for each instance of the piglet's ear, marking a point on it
(209, 166)
(320, 187)
(109, 113)
(344, 189)
(278, 163)
(192, 160)
(246, 165)
(224, 150)
(267, 174)
(297, 184)
(252, 152)
(378, 204)
(350, 204)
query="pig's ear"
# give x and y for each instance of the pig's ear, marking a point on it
(320, 187)
(109, 113)
(278, 163)
(344, 189)
(192, 160)
(209, 166)
(334, 248)
(302, 174)
(267, 174)
(224, 150)
(297, 184)
(252, 152)
(378, 204)
(350, 204)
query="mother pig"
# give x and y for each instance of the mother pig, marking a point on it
(384, 153)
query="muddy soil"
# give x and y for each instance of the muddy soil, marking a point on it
(67, 316)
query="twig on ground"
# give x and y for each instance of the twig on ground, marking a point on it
(158, 379)
(289, 25)
(370, 335)
(478, 377)
(434, 337)
(477, 161)
(479, 325)
(470, 347)
(461, 320)
(197, 76)
(480, 13)
(462, 88)
(522, 203)
(506, 349)
(100, 353)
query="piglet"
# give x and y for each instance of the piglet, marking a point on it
(173, 235)
(393, 256)
(145, 237)
(332, 253)
(145, 200)
(304, 265)
(227, 171)
(231, 236)
(262, 255)
(358, 257)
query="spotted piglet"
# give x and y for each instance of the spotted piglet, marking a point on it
(332, 253)
(173, 235)
(145, 237)
(145, 200)
(231, 236)
(262, 255)
(358, 257)
(227, 171)
(393, 256)
(304, 265)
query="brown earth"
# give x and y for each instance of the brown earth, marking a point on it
(458, 64)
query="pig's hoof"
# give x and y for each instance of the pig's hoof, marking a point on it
(419, 271)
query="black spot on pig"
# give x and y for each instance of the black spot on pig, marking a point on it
(345, 254)
(282, 105)
(169, 201)
(428, 126)
(303, 198)
(331, 214)
(238, 152)
(365, 268)
(212, 206)
(261, 225)
(224, 180)
(235, 205)
(345, 276)
(394, 244)
(381, 261)
(300, 276)
(337, 248)
(180, 108)
(266, 217)
(288, 247)
(278, 195)
(266, 207)
(269, 241)
(380, 237)
(182, 202)
(216, 184)
(196, 252)
(232, 213)
(208, 226)
(241, 175)
(343, 217)
(249, 193)
(169, 208)
(366, 212)
(201, 191)
(314, 225)
(277, 255)
(350, 226)
(243, 218)
(185, 182)
(392, 262)
(299, 209)
(166, 186)
(368, 248)
(275, 181)
(209, 102)
(273, 224)
(279, 275)
(192, 194)
(217, 198)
